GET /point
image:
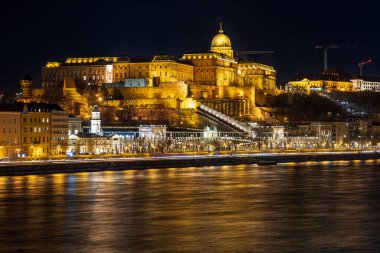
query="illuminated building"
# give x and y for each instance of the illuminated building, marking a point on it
(88, 70)
(74, 125)
(134, 82)
(28, 92)
(210, 132)
(219, 67)
(215, 67)
(366, 83)
(342, 132)
(224, 84)
(103, 70)
(152, 131)
(95, 121)
(95, 144)
(9, 130)
(59, 130)
(258, 75)
(153, 88)
(328, 81)
(26, 88)
(33, 129)
(160, 69)
(43, 129)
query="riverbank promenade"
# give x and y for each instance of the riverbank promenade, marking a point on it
(158, 161)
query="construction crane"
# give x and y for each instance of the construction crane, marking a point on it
(326, 48)
(242, 53)
(361, 64)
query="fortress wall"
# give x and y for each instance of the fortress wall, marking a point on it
(240, 91)
(140, 92)
(199, 90)
(165, 90)
(174, 90)
(151, 103)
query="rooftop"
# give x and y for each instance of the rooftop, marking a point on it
(367, 78)
(9, 108)
(326, 76)
(31, 107)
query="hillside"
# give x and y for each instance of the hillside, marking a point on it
(368, 101)
(297, 107)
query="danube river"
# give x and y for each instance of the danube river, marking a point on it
(305, 207)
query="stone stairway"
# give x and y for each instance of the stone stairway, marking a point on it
(222, 118)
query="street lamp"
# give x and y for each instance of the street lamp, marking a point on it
(18, 152)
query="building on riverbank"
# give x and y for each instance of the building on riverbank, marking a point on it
(74, 125)
(85, 144)
(33, 129)
(10, 126)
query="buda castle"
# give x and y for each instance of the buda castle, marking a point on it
(161, 88)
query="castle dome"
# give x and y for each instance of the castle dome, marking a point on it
(221, 39)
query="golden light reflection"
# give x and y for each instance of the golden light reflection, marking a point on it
(128, 174)
(3, 180)
(59, 183)
(32, 179)
(108, 176)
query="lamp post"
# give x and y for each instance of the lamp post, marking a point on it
(18, 152)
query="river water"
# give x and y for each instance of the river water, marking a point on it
(311, 207)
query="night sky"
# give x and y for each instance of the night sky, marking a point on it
(33, 33)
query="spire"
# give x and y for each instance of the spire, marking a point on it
(220, 27)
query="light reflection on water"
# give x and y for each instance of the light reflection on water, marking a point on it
(323, 206)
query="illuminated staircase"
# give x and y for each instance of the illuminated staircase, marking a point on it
(71, 95)
(223, 119)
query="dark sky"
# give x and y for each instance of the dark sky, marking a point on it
(33, 32)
